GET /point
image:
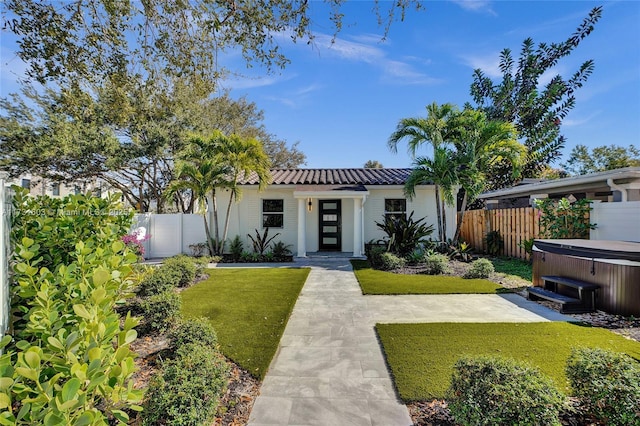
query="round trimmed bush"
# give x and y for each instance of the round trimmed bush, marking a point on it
(497, 391)
(194, 330)
(162, 279)
(375, 256)
(608, 383)
(437, 264)
(187, 390)
(480, 268)
(185, 265)
(389, 262)
(161, 311)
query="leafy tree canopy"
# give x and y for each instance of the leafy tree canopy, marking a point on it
(110, 41)
(582, 160)
(536, 110)
(135, 150)
(373, 164)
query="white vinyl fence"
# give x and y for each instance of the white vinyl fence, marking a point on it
(616, 221)
(5, 227)
(171, 234)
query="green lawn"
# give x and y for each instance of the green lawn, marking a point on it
(512, 266)
(380, 282)
(249, 308)
(421, 356)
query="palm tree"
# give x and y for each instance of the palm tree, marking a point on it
(480, 144)
(434, 130)
(465, 145)
(416, 130)
(201, 179)
(439, 171)
(241, 157)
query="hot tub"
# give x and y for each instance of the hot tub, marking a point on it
(614, 265)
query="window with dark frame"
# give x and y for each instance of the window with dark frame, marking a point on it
(395, 207)
(55, 189)
(26, 183)
(272, 213)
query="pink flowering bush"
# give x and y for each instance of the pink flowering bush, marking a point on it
(134, 241)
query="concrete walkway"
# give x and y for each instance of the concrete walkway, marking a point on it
(329, 368)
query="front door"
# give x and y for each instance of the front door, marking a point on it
(330, 225)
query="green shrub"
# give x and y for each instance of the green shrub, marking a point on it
(416, 257)
(527, 245)
(160, 311)
(404, 234)
(201, 263)
(564, 219)
(194, 330)
(436, 264)
(375, 256)
(235, 248)
(185, 265)
(609, 384)
(261, 241)
(281, 251)
(480, 268)
(495, 391)
(188, 388)
(249, 257)
(70, 362)
(495, 243)
(163, 279)
(389, 262)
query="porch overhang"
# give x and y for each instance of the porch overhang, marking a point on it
(331, 191)
(356, 192)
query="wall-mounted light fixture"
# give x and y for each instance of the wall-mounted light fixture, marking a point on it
(309, 205)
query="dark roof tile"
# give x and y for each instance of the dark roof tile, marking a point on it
(334, 177)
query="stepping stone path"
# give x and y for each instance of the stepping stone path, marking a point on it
(329, 368)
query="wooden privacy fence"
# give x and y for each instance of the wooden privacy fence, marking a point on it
(514, 225)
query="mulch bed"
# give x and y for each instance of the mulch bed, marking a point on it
(236, 403)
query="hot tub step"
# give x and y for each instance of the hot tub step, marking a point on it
(568, 305)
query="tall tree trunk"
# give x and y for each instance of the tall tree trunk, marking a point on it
(439, 213)
(444, 221)
(459, 224)
(216, 228)
(226, 222)
(207, 232)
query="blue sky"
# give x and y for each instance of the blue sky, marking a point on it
(342, 100)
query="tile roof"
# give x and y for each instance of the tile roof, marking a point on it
(334, 177)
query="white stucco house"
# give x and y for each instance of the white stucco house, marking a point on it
(331, 210)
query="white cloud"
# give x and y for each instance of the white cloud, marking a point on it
(489, 63)
(296, 98)
(239, 81)
(580, 121)
(403, 73)
(309, 89)
(483, 6)
(351, 50)
(394, 71)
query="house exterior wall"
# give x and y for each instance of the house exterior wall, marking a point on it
(423, 205)
(246, 216)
